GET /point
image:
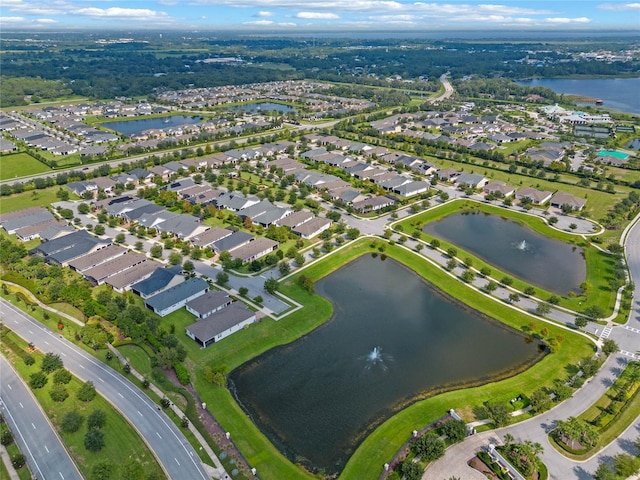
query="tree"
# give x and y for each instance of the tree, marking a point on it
(18, 460)
(71, 422)
(222, 278)
(626, 465)
(455, 430)
(38, 380)
(58, 393)
(188, 266)
(452, 252)
(497, 412)
(514, 297)
(581, 321)
(6, 438)
(243, 291)
(411, 471)
(529, 291)
(352, 233)
(271, 285)
(96, 419)
(299, 259)
(284, 267)
(51, 362)
(468, 276)
(451, 264)
(491, 286)
(120, 238)
(553, 300)
(98, 229)
(102, 470)
(435, 243)
(87, 392)
(609, 346)
(175, 258)
(605, 472)
(539, 400)
(543, 309)
(94, 440)
(429, 447)
(506, 281)
(596, 312)
(156, 251)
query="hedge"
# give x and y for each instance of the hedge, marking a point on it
(182, 373)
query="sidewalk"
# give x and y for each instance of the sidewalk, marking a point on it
(218, 471)
(4, 455)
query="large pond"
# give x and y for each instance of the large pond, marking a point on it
(261, 107)
(129, 127)
(548, 263)
(393, 339)
(617, 93)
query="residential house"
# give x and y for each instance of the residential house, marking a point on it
(537, 196)
(254, 249)
(161, 279)
(560, 199)
(209, 303)
(176, 297)
(470, 180)
(499, 188)
(312, 228)
(221, 324)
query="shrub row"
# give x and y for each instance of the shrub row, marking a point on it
(182, 373)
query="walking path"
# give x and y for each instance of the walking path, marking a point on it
(218, 471)
(4, 456)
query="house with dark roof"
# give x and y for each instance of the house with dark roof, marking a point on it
(372, 204)
(235, 240)
(26, 218)
(209, 303)
(312, 228)
(210, 236)
(99, 273)
(122, 281)
(221, 324)
(63, 249)
(471, 180)
(561, 198)
(159, 280)
(499, 188)
(236, 201)
(536, 196)
(254, 250)
(176, 297)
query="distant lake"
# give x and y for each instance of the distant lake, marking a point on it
(617, 93)
(129, 127)
(393, 339)
(261, 107)
(546, 262)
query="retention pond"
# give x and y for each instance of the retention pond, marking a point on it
(393, 339)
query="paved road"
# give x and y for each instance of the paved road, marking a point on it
(165, 439)
(45, 454)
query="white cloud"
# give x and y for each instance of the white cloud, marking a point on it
(167, 3)
(265, 14)
(287, 24)
(259, 22)
(620, 6)
(11, 19)
(565, 20)
(46, 20)
(118, 12)
(317, 15)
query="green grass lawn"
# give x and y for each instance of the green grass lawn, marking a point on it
(34, 198)
(68, 309)
(122, 442)
(599, 265)
(387, 438)
(137, 357)
(16, 165)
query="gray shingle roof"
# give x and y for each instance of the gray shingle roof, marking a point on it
(158, 280)
(207, 328)
(176, 294)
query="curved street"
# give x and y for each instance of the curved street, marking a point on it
(164, 438)
(46, 456)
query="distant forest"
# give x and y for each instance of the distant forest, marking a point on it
(78, 65)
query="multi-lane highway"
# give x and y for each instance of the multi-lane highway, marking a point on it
(178, 458)
(45, 454)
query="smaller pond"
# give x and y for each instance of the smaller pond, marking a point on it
(130, 127)
(262, 107)
(548, 263)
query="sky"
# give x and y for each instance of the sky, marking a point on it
(317, 15)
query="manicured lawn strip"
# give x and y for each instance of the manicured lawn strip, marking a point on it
(21, 164)
(137, 357)
(122, 442)
(599, 265)
(68, 309)
(23, 473)
(43, 198)
(260, 337)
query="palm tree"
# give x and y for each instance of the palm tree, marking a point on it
(508, 439)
